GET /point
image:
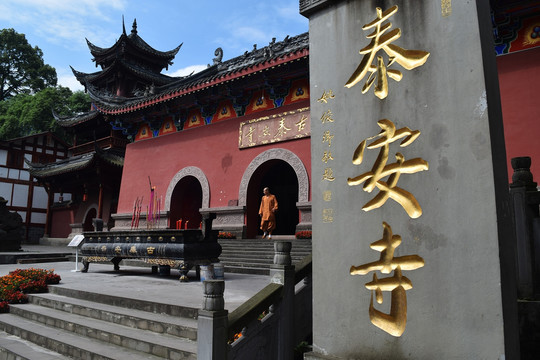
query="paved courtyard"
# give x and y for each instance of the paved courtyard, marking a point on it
(140, 283)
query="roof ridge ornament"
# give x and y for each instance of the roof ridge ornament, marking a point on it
(219, 56)
(134, 27)
(123, 26)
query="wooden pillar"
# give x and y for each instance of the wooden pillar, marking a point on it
(100, 202)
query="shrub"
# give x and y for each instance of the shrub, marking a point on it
(305, 234)
(15, 286)
(226, 235)
(4, 307)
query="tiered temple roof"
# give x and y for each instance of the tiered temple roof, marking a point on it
(129, 68)
(251, 62)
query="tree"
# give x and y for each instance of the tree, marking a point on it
(25, 114)
(22, 70)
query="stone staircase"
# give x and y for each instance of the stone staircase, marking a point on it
(256, 255)
(67, 323)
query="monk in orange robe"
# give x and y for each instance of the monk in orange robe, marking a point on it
(267, 211)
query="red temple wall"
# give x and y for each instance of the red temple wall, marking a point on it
(519, 79)
(61, 219)
(212, 148)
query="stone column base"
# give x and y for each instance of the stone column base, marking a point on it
(305, 216)
(228, 219)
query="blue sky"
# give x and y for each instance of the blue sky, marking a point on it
(59, 28)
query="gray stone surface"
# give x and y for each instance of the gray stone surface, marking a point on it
(460, 301)
(139, 283)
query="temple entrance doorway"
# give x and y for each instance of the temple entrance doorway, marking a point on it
(280, 177)
(186, 200)
(90, 215)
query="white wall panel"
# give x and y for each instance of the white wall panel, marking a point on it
(3, 157)
(5, 191)
(13, 174)
(39, 200)
(38, 218)
(20, 195)
(24, 175)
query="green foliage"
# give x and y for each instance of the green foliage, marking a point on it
(28, 91)
(25, 114)
(22, 70)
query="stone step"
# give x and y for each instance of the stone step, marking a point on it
(256, 256)
(162, 345)
(149, 306)
(15, 348)
(143, 320)
(69, 344)
(15, 257)
(38, 260)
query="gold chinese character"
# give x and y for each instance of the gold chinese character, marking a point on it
(395, 322)
(249, 135)
(328, 215)
(327, 117)
(150, 250)
(380, 169)
(325, 96)
(409, 59)
(446, 8)
(327, 195)
(133, 250)
(301, 123)
(266, 131)
(327, 138)
(328, 175)
(282, 130)
(327, 156)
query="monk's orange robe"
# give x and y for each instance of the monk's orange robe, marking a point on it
(268, 206)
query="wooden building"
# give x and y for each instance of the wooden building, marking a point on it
(22, 192)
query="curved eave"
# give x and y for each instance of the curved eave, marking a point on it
(84, 77)
(139, 43)
(101, 54)
(73, 164)
(158, 78)
(206, 84)
(75, 120)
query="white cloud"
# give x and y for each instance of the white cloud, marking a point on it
(187, 70)
(60, 20)
(71, 82)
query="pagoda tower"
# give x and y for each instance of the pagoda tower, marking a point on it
(129, 68)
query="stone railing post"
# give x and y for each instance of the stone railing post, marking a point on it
(212, 323)
(282, 272)
(521, 189)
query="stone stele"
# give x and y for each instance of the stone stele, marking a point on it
(453, 295)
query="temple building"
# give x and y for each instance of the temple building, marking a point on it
(211, 141)
(23, 194)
